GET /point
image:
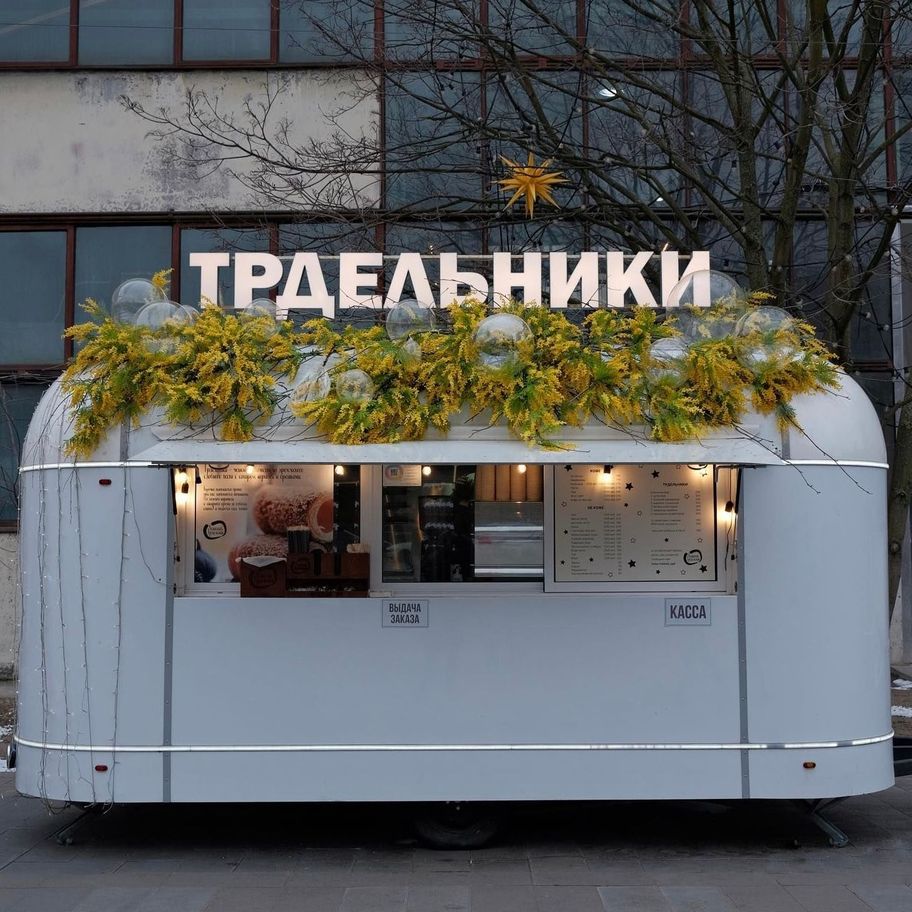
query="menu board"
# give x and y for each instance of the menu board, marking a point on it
(636, 523)
(246, 511)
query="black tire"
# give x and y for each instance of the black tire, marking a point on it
(456, 825)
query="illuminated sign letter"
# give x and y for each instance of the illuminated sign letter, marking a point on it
(208, 264)
(410, 265)
(699, 263)
(451, 279)
(319, 297)
(529, 278)
(352, 280)
(620, 280)
(585, 275)
(244, 279)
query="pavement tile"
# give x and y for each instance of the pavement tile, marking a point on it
(501, 872)
(698, 899)
(427, 878)
(245, 899)
(374, 899)
(884, 897)
(633, 899)
(761, 899)
(113, 899)
(566, 870)
(437, 899)
(176, 899)
(40, 899)
(501, 898)
(319, 899)
(827, 898)
(568, 899)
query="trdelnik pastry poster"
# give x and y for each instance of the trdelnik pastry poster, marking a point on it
(244, 511)
(634, 523)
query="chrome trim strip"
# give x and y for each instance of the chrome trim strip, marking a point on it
(392, 748)
(87, 465)
(837, 462)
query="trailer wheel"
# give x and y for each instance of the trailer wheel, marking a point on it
(456, 825)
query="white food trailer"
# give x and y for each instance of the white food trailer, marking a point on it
(632, 620)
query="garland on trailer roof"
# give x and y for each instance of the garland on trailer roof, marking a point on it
(527, 366)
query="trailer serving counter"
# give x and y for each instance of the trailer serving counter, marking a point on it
(631, 620)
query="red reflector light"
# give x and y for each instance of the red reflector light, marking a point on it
(104, 481)
(101, 767)
(809, 765)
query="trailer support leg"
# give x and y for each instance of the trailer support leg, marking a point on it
(837, 838)
(65, 835)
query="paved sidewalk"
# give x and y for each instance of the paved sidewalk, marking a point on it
(615, 857)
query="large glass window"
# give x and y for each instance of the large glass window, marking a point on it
(226, 29)
(433, 155)
(325, 30)
(427, 30)
(33, 264)
(547, 29)
(462, 523)
(107, 256)
(126, 32)
(34, 30)
(214, 240)
(17, 402)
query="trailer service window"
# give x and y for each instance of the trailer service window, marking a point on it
(462, 523)
(250, 510)
(635, 523)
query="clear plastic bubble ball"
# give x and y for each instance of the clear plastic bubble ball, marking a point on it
(764, 320)
(130, 297)
(411, 348)
(497, 339)
(155, 315)
(407, 318)
(313, 380)
(261, 307)
(192, 313)
(354, 385)
(706, 286)
(668, 356)
(764, 357)
(703, 324)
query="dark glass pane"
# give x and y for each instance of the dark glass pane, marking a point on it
(126, 31)
(213, 240)
(902, 81)
(754, 23)
(325, 30)
(17, 402)
(845, 20)
(433, 153)
(226, 29)
(617, 28)
(33, 264)
(105, 257)
(515, 131)
(636, 131)
(428, 30)
(712, 149)
(542, 29)
(34, 30)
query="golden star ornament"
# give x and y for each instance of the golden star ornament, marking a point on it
(530, 181)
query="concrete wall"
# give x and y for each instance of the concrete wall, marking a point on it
(70, 145)
(9, 603)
